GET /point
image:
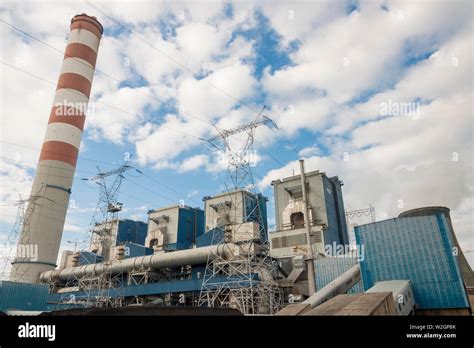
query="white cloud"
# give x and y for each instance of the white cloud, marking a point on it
(210, 40)
(73, 228)
(216, 94)
(193, 163)
(113, 124)
(308, 151)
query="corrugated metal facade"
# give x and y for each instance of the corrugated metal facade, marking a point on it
(336, 230)
(23, 296)
(329, 268)
(131, 231)
(418, 249)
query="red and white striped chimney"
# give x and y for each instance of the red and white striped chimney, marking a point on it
(42, 229)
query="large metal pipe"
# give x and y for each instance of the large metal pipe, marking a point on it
(44, 218)
(340, 285)
(155, 261)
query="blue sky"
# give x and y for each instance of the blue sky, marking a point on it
(322, 69)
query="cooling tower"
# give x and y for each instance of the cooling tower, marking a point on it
(43, 224)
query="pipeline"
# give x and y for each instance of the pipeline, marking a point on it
(155, 261)
(340, 285)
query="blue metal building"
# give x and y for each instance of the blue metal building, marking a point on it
(419, 249)
(336, 232)
(131, 231)
(328, 269)
(23, 296)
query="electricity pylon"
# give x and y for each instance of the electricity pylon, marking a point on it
(102, 236)
(244, 276)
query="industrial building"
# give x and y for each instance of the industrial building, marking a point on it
(288, 244)
(175, 252)
(419, 249)
(106, 237)
(174, 228)
(224, 250)
(326, 210)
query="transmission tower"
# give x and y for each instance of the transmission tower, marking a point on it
(102, 236)
(14, 244)
(244, 276)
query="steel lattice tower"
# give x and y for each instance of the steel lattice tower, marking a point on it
(26, 208)
(101, 236)
(246, 277)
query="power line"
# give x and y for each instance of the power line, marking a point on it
(188, 69)
(169, 188)
(98, 102)
(148, 95)
(80, 178)
(148, 190)
(118, 80)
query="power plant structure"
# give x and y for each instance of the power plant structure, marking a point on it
(222, 255)
(57, 162)
(240, 228)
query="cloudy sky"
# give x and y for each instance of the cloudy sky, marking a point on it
(379, 93)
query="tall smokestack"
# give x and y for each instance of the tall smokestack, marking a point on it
(42, 229)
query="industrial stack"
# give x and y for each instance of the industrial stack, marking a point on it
(59, 152)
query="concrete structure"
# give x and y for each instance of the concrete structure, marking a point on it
(288, 244)
(67, 259)
(174, 228)
(402, 292)
(116, 233)
(419, 249)
(326, 210)
(57, 161)
(233, 208)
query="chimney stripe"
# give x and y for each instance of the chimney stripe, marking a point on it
(83, 25)
(84, 37)
(76, 82)
(59, 151)
(63, 132)
(81, 51)
(70, 96)
(78, 66)
(76, 121)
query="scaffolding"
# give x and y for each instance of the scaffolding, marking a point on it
(245, 278)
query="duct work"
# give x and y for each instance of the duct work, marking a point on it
(155, 261)
(340, 285)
